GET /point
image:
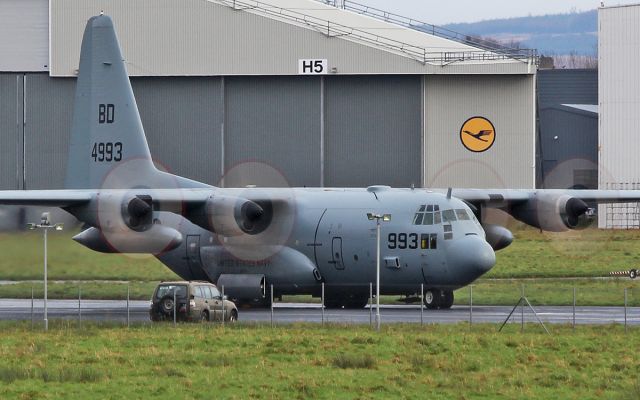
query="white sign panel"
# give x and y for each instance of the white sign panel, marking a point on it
(312, 67)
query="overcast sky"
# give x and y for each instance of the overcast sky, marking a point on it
(443, 12)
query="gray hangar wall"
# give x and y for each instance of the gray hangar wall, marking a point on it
(331, 131)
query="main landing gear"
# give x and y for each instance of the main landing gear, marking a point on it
(435, 299)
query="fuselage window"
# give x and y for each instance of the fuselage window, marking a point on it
(462, 215)
(429, 241)
(448, 232)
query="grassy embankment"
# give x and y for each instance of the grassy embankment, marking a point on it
(532, 257)
(313, 362)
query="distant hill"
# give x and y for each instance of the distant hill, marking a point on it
(556, 34)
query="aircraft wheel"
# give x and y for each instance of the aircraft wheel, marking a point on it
(447, 299)
(633, 274)
(349, 301)
(333, 302)
(432, 299)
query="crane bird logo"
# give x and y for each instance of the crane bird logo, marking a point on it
(477, 134)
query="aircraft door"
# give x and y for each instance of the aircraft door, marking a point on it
(193, 255)
(336, 253)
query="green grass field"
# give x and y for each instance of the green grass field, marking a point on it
(312, 362)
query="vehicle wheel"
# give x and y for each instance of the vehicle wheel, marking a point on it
(432, 299)
(633, 274)
(204, 316)
(234, 316)
(166, 305)
(447, 300)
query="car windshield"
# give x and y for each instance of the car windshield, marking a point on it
(164, 290)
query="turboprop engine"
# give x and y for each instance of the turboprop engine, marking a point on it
(126, 224)
(233, 216)
(498, 236)
(551, 212)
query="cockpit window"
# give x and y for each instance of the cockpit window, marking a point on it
(428, 219)
(448, 216)
(462, 215)
(417, 220)
(427, 214)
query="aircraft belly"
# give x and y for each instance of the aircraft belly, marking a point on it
(287, 269)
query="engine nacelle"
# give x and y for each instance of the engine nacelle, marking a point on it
(498, 236)
(551, 212)
(155, 240)
(235, 216)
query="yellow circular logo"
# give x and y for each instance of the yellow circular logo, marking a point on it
(477, 134)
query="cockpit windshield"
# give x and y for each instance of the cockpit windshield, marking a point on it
(431, 215)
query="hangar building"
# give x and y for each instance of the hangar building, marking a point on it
(619, 102)
(568, 128)
(328, 96)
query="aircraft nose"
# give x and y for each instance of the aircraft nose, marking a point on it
(471, 254)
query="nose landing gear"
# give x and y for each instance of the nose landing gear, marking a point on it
(435, 299)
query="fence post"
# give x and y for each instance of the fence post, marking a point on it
(625, 310)
(574, 308)
(322, 305)
(79, 307)
(272, 305)
(421, 304)
(370, 304)
(470, 305)
(222, 288)
(128, 316)
(175, 309)
(522, 309)
(31, 307)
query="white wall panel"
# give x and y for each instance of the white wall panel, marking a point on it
(24, 35)
(619, 98)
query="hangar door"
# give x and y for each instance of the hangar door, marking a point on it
(373, 130)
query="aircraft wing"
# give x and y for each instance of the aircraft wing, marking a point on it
(47, 198)
(513, 197)
(547, 209)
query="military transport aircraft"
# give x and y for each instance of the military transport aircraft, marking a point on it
(252, 237)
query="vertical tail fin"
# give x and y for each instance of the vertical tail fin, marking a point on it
(107, 137)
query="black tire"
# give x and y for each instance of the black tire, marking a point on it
(204, 316)
(633, 274)
(233, 317)
(432, 299)
(166, 305)
(447, 299)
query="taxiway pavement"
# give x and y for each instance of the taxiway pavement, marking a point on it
(116, 311)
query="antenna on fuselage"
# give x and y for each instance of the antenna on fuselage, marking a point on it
(449, 193)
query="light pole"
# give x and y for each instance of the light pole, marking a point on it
(385, 218)
(45, 225)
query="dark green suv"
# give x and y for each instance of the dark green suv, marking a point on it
(192, 301)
